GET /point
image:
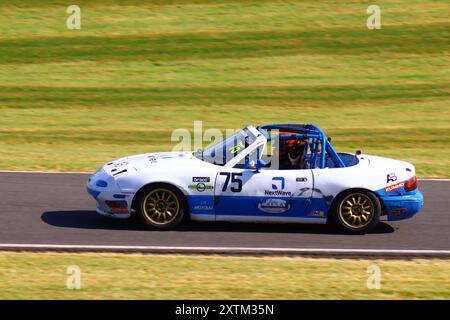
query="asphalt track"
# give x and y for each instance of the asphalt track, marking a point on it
(41, 210)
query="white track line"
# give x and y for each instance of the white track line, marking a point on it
(83, 172)
(156, 249)
(51, 172)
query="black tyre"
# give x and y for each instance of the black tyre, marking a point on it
(356, 211)
(160, 206)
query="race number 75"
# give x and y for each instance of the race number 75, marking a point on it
(235, 178)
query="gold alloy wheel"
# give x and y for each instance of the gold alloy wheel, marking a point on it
(161, 206)
(356, 210)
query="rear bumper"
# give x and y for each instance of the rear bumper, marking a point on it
(403, 207)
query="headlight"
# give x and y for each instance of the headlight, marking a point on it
(101, 183)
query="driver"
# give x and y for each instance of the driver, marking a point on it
(291, 154)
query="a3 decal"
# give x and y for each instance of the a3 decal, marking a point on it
(391, 177)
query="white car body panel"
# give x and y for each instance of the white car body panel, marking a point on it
(264, 196)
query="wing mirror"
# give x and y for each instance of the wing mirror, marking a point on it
(260, 164)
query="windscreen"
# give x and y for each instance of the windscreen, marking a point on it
(224, 151)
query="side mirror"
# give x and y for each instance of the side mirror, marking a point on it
(260, 164)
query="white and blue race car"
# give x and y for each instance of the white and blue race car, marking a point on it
(278, 173)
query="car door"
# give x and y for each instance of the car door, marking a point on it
(267, 195)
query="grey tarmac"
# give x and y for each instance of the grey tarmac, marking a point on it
(40, 209)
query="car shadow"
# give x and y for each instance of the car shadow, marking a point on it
(86, 219)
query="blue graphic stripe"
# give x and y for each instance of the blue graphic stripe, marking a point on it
(93, 193)
(401, 204)
(203, 205)
(259, 206)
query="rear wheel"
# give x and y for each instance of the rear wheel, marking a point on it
(160, 207)
(356, 211)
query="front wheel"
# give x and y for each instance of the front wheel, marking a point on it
(356, 211)
(160, 207)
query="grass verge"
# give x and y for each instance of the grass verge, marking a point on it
(74, 99)
(133, 276)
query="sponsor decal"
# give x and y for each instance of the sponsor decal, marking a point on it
(316, 213)
(200, 187)
(327, 198)
(170, 156)
(203, 206)
(152, 159)
(274, 205)
(395, 187)
(278, 184)
(201, 179)
(236, 148)
(391, 177)
(302, 179)
(120, 164)
(277, 193)
(399, 212)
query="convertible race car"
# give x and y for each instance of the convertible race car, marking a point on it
(278, 173)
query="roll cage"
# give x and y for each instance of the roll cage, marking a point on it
(318, 147)
(319, 151)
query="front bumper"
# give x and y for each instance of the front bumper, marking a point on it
(403, 206)
(111, 201)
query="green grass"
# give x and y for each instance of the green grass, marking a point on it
(72, 100)
(116, 276)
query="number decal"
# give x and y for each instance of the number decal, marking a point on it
(235, 178)
(227, 180)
